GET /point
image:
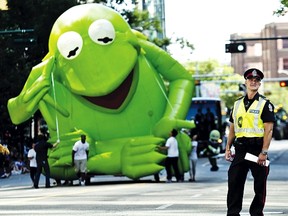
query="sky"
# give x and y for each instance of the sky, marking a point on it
(207, 24)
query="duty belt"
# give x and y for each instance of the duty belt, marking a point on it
(252, 145)
(249, 141)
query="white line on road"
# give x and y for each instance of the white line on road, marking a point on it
(164, 206)
(196, 195)
(265, 213)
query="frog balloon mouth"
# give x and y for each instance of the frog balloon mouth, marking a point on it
(116, 98)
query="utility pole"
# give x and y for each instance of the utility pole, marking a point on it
(258, 39)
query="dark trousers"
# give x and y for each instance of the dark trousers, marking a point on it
(42, 164)
(213, 162)
(33, 171)
(237, 175)
(172, 162)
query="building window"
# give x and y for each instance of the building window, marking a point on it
(284, 44)
(285, 64)
(254, 50)
(258, 49)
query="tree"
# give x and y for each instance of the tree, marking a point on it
(282, 10)
(18, 53)
(202, 67)
(211, 70)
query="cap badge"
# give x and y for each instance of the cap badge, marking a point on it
(254, 73)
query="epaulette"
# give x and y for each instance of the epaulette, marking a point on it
(240, 98)
(263, 97)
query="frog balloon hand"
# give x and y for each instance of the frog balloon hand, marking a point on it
(184, 124)
(41, 77)
(37, 86)
(140, 157)
(165, 125)
(61, 156)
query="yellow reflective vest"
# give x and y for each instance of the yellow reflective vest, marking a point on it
(248, 123)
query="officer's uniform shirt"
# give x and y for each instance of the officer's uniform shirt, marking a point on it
(267, 113)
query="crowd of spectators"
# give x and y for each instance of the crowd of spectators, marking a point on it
(16, 162)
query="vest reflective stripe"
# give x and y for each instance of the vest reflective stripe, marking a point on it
(253, 126)
(250, 130)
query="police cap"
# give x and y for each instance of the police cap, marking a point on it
(253, 72)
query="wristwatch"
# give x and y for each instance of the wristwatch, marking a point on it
(264, 152)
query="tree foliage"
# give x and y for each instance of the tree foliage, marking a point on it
(21, 50)
(212, 71)
(282, 10)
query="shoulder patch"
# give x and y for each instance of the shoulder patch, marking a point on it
(270, 107)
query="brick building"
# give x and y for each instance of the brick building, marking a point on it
(266, 50)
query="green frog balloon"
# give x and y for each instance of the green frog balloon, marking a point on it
(103, 79)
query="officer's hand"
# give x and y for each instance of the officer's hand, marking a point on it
(262, 159)
(228, 155)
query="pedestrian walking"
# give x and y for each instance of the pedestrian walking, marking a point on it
(171, 161)
(193, 159)
(32, 162)
(80, 154)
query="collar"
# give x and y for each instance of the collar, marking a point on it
(256, 97)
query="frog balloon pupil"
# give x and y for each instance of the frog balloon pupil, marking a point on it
(105, 40)
(72, 52)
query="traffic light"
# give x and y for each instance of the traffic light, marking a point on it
(283, 83)
(235, 48)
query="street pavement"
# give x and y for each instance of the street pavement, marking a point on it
(120, 196)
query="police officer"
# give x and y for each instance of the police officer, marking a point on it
(251, 129)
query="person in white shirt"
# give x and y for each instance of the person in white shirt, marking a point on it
(193, 158)
(172, 156)
(32, 162)
(79, 158)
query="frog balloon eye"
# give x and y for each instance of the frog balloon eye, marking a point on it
(70, 44)
(102, 32)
